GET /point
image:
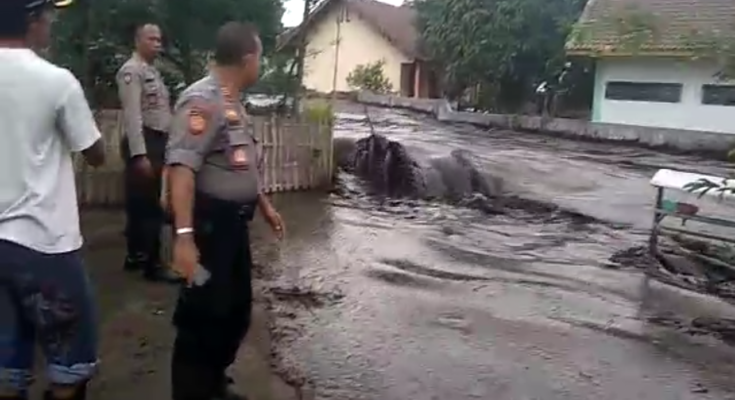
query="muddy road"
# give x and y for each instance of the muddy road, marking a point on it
(135, 326)
(428, 301)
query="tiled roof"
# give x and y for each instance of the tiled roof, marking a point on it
(395, 24)
(667, 26)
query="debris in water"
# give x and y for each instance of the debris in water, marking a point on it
(698, 388)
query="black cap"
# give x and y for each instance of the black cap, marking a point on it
(20, 8)
(35, 4)
(14, 13)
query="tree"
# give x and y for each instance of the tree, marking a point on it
(278, 75)
(504, 47)
(370, 77)
(94, 37)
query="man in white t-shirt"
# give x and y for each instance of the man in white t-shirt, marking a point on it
(45, 297)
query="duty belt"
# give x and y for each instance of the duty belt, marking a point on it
(157, 131)
(245, 211)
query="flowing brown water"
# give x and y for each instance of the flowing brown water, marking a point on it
(432, 301)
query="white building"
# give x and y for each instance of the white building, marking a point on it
(663, 82)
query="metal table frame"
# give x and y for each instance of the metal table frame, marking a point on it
(660, 214)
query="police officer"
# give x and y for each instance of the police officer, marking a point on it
(214, 179)
(147, 116)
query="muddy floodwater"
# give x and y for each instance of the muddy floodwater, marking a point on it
(419, 300)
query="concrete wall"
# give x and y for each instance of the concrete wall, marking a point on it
(353, 44)
(685, 140)
(689, 113)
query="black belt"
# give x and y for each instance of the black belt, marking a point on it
(158, 131)
(213, 206)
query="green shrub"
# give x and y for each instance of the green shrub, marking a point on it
(370, 77)
(319, 111)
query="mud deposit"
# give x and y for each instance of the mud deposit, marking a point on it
(538, 295)
(135, 329)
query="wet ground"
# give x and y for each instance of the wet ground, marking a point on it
(393, 300)
(430, 301)
(135, 330)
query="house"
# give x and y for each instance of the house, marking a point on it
(342, 34)
(653, 63)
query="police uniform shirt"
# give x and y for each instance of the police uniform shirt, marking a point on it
(212, 135)
(145, 102)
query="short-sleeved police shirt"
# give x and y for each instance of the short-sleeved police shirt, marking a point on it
(213, 136)
(145, 102)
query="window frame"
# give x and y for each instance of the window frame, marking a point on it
(664, 97)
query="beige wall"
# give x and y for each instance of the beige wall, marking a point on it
(358, 44)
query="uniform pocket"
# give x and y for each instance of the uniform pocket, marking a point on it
(240, 146)
(237, 135)
(239, 156)
(150, 92)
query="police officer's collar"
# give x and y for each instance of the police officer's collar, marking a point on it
(138, 57)
(223, 89)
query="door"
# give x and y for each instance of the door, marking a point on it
(407, 79)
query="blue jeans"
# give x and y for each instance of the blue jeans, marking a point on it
(45, 299)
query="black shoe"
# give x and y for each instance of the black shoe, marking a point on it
(161, 274)
(134, 263)
(80, 394)
(189, 381)
(227, 392)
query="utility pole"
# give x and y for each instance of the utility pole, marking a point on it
(337, 41)
(301, 56)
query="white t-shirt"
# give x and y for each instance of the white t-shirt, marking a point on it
(44, 117)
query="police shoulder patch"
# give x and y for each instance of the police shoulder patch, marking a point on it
(197, 122)
(198, 114)
(127, 77)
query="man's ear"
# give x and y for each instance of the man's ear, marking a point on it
(30, 20)
(247, 59)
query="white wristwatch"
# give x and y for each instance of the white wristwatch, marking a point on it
(184, 231)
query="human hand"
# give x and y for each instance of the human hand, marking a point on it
(185, 256)
(142, 166)
(273, 218)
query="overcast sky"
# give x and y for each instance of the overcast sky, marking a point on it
(295, 8)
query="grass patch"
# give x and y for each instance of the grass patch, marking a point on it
(319, 111)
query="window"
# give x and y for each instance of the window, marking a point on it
(718, 95)
(644, 91)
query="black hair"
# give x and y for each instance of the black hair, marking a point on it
(234, 41)
(137, 27)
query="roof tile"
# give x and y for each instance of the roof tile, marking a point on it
(666, 25)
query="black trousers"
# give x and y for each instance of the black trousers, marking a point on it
(144, 214)
(213, 319)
